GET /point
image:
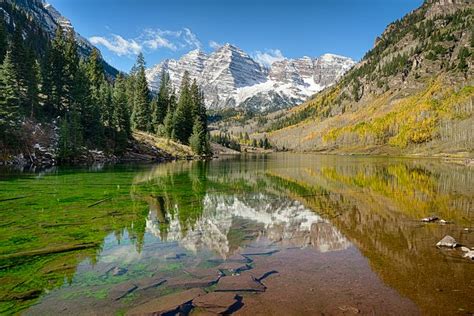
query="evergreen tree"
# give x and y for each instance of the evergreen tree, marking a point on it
(9, 98)
(141, 116)
(32, 78)
(130, 85)
(121, 114)
(160, 103)
(20, 63)
(183, 119)
(70, 136)
(96, 78)
(3, 41)
(199, 138)
(169, 118)
(95, 72)
(71, 65)
(195, 99)
(105, 103)
(47, 83)
(58, 71)
(91, 116)
(163, 98)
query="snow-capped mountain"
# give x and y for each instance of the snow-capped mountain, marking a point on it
(230, 77)
(49, 19)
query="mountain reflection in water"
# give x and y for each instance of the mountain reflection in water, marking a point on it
(284, 222)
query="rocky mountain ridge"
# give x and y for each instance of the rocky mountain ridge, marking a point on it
(48, 18)
(232, 78)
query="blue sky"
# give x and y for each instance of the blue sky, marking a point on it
(266, 29)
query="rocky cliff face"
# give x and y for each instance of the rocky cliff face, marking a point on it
(229, 77)
(48, 18)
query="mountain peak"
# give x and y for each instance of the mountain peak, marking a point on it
(332, 57)
(230, 77)
(227, 47)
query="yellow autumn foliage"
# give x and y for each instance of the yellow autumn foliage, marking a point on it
(412, 120)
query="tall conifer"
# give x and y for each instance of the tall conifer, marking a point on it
(142, 116)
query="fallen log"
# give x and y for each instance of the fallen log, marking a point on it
(100, 201)
(47, 251)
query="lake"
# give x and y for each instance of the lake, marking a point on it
(283, 234)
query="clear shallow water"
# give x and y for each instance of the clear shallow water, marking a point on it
(321, 234)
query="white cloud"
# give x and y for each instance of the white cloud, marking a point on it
(191, 39)
(154, 39)
(268, 57)
(214, 45)
(149, 40)
(118, 44)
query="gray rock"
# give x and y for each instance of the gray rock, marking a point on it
(447, 241)
(260, 274)
(217, 302)
(259, 252)
(241, 283)
(468, 253)
(149, 283)
(233, 266)
(167, 304)
(188, 283)
(119, 271)
(430, 219)
(122, 290)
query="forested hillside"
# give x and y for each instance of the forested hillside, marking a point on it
(412, 93)
(53, 96)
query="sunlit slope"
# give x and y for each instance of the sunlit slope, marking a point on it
(412, 93)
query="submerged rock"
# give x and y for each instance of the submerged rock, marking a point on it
(172, 303)
(468, 253)
(241, 283)
(203, 273)
(177, 256)
(233, 266)
(117, 271)
(260, 274)
(447, 241)
(122, 290)
(149, 283)
(259, 252)
(239, 258)
(429, 219)
(183, 282)
(221, 303)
